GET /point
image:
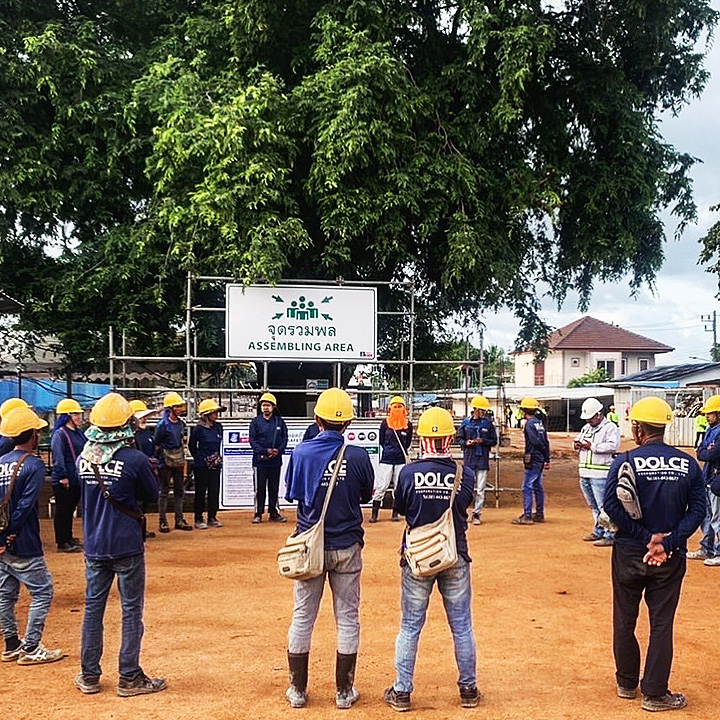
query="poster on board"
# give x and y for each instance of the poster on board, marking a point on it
(237, 490)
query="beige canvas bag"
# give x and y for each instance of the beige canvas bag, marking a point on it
(431, 548)
(303, 555)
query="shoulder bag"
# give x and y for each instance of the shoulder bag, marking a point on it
(5, 504)
(134, 514)
(431, 548)
(303, 555)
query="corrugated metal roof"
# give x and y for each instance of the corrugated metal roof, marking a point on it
(671, 374)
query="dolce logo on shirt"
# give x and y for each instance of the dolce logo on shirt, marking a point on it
(109, 469)
(433, 480)
(662, 463)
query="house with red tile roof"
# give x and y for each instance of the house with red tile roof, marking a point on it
(583, 346)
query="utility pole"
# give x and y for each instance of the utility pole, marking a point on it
(711, 326)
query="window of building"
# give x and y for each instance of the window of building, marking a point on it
(644, 364)
(608, 366)
(540, 373)
(623, 366)
(574, 362)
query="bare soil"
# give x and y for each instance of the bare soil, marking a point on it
(217, 615)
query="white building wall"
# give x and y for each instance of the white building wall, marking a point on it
(554, 369)
(524, 369)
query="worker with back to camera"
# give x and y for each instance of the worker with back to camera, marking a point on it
(476, 436)
(424, 493)
(67, 443)
(310, 469)
(655, 494)
(396, 432)
(6, 444)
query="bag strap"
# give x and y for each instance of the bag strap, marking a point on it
(402, 447)
(134, 514)
(456, 485)
(16, 472)
(69, 442)
(338, 462)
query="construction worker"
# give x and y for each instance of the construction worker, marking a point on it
(21, 553)
(268, 439)
(709, 453)
(66, 444)
(396, 433)
(116, 477)
(612, 416)
(6, 444)
(145, 443)
(205, 446)
(169, 442)
(596, 444)
(701, 426)
(309, 471)
(535, 459)
(423, 494)
(476, 436)
(648, 557)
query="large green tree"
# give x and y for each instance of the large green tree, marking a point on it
(478, 148)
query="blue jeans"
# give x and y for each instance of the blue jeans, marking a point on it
(456, 590)
(480, 483)
(343, 568)
(99, 575)
(710, 525)
(594, 491)
(532, 485)
(33, 573)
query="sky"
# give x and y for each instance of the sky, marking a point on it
(684, 290)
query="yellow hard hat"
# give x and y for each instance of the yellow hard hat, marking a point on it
(172, 399)
(334, 405)
(397, 400)
(68, 405)
(435, 422)
(208, 406)
(480, 402)
(529, 403)
(111, 411)
(11, 404)
(140, 409)
(268, 397)
(19, 419)
(652, 410)
(712, 404)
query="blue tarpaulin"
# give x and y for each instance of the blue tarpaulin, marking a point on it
(44, 395)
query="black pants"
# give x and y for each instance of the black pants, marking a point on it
(66, 501)
(631, 577)
(267, 478)
(206, 481)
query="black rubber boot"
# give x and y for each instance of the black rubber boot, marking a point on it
(297, 692)
(346, 695)
(375, 511)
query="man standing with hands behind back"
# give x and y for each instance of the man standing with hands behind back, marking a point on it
(656, 496)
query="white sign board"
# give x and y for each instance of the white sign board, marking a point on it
(301, 322)
(237, 483)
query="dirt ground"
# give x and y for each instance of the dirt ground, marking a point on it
(217, 615)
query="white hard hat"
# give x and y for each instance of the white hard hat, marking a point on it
(590, 408)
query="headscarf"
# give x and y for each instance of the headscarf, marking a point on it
(103, 444)
(61, 421)
(429, 447)
(397, 418)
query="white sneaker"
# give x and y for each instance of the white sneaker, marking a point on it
(477, 520)
(201, 525)
(12, 655)
(713, 561)
(39, 656)
(697, 555)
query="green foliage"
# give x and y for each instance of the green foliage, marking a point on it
(592, 377)
(477, 148)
